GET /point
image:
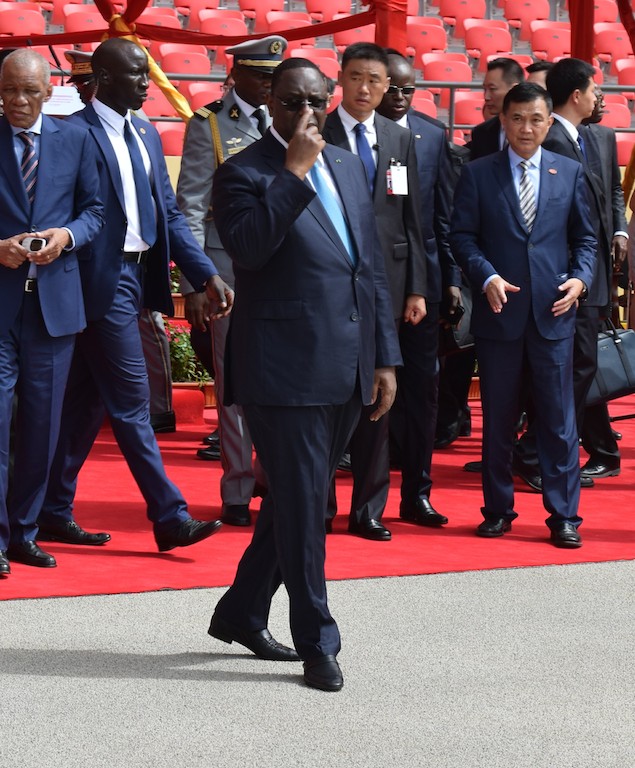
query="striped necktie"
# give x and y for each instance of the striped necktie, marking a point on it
(29, 164)
(527, 196)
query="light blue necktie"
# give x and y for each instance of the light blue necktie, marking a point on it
(334, 212)
(365, 155)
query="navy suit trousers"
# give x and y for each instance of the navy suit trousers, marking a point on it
(109, 370)
(299, 449)
(35, 365)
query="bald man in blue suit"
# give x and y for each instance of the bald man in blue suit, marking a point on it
(529, 265)
(51, 194)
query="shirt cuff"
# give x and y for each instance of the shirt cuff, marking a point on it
(71, 245)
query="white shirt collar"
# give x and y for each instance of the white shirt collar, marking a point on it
(110, 116)
(248, 109)
(35, 128)
(534, 160)
(349, 122)
(567, 125)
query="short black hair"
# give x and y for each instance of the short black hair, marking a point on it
(567, 76)
(523, 93)
(511, 70)
(539, 66)
(294, 63)
(368, 51)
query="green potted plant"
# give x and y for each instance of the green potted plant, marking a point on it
(187, 369)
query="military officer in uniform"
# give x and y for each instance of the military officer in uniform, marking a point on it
(215, 132)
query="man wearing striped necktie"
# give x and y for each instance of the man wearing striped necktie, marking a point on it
(521, 231)
(49, 206)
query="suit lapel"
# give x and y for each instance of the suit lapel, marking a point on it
(10, 168)
(103, 142)
(243, 124)
(548, 175)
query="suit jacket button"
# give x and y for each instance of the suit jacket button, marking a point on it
(354, 317)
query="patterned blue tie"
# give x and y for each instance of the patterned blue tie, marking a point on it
(365, 155)
(29, 164)
(147, 217)
(334, 212)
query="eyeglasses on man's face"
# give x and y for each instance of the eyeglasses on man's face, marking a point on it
(407, 90)
(295, 105)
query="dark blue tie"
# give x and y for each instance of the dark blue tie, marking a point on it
(365, 155)
(147, 216)
(334, 212)
(581, 145)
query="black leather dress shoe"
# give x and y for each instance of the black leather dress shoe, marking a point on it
(29, 553)
(345, 463)
(369, 529)
(598, 469)
(323, 673)
(566, 536)
(490, 529)
(328, 525)
(236, 514)
(211, 453)
(529, 475)
(423, 513)
(163, 422)
(259, 641)
(212, 439)
(186, 533)
(68, 532)
(473, 466)
(616, 435)
(5, 568)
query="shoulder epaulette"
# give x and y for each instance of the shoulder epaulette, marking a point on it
(215, 107)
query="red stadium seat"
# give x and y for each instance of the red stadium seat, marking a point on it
(200, 10)
(15, 21)
(422, 37)
(520, 13)
(343, 39)
(165, 48)
(256, 11)
(468, 108)
(454, 12)
(228, 27)
(426, 106)
(328, 66)
(626, 75)
(611, 43)
(616, 115)
(450, 71)
(446, 56)
(550, 39)
(625, 144)
(186, 7)
(157, 104)
(483, 40)
(605, 10)
(324, 10)
(172, 135)
(199, 94)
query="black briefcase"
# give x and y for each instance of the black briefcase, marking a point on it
(615, 375)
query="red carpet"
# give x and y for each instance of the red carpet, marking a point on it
(108, 500)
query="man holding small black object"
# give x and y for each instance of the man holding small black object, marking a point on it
(522, 233)
(49, 206)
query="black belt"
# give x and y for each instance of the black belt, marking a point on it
(30, 285)
(136, 257)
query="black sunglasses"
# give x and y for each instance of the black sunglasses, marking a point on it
(407, 90)
(295, 105)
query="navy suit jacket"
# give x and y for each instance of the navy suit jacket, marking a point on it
(436, 186)
(67, 195)
(559, 140)
(100, 263)
(396, 216)
(489, 236)
(306, 326)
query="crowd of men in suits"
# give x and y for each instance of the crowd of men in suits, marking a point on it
(347, 246)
